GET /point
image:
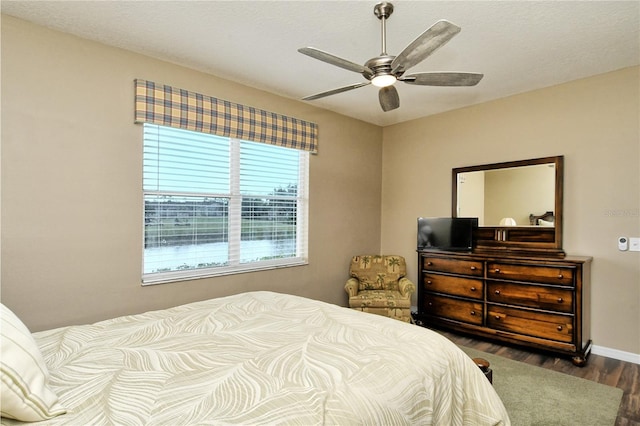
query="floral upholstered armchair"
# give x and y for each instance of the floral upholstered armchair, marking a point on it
(378, 285)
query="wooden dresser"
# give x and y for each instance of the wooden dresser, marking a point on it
(541, 303)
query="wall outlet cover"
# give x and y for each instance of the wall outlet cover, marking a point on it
(634, 244)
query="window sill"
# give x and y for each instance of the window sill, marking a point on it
(196, 274)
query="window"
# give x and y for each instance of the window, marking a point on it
(215, 205)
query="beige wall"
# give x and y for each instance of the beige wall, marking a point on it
(594, 123)
(72, 173)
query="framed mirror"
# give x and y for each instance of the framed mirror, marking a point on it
(518, 205)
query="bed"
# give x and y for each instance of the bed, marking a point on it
(258, 358)
(545, 219)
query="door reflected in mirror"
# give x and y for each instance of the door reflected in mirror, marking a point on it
(508, 196)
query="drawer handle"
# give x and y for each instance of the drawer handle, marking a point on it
(473, 268)
(560, 276)
(430, 303)
(473, 289)
(559, 328)
(473, 312)
(429, 282)
(429, 263)
(560, 300)
(497, 317)
(497, 292)
(497, 270)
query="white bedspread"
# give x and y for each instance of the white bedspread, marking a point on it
(263, 358)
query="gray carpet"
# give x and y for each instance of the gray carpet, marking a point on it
(537, 396)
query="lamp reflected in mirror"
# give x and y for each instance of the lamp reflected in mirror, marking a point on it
(508, 221)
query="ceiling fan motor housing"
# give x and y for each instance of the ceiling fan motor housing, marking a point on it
(380, 65)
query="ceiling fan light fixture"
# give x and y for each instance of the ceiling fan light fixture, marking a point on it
(384, 80)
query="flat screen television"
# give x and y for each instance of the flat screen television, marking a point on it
(446, 233)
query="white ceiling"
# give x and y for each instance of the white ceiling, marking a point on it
(518, 45)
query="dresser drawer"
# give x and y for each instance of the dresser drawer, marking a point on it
(453, 266)
(537, 324)
(540, 274)
(457, 286)
(455, 309)
(533, 296)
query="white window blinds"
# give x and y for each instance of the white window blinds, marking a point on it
(215, 205)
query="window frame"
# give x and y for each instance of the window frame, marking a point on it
(235, 220)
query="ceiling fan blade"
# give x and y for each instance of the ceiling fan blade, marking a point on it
(334, 60)
(334, 91)
(423, 46)
(443, 78)
(389, 98)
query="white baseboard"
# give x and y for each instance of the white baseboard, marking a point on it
(616, 354)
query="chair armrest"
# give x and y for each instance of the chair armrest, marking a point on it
(351, 287)
(406, 287)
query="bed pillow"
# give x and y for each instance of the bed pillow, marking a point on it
(24, 394)
(543, 222)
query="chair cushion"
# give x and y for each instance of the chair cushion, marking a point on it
(378, 272)
(379, 299)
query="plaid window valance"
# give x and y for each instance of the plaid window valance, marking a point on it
(169, 106)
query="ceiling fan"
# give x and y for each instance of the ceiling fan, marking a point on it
(384, 70)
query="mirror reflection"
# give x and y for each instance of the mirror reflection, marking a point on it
(515, 196)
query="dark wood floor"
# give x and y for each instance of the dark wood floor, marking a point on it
(600, 369)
